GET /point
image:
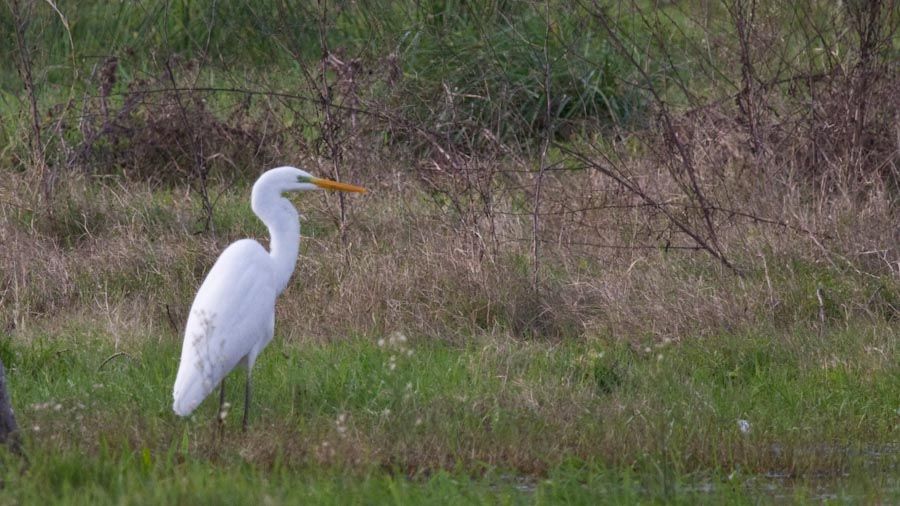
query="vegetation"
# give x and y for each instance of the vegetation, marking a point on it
(494, 418)
(618, 252)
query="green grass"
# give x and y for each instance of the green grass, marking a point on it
(618, 377)
(364, 421)
(494, 60)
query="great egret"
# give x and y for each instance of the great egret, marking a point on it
(233, 315)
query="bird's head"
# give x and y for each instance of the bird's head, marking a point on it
(294, 179)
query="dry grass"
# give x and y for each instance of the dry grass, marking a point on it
(123, 251)
(718, 214)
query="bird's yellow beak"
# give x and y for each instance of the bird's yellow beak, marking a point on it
(334, 185)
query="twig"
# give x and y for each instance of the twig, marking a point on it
(636, 189)
(670, 135)
(545, 144)
(821, 300)
(201, 169)
(171, 319)
(664, 247)
(745, 100)
(114, 355)
(20, 21)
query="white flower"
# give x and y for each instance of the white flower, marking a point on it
(224, 413)
(744, 426)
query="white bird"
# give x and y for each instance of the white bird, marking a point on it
(233, 315)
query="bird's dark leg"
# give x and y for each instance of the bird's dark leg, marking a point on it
(246, 401)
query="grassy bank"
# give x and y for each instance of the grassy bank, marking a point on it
(408, 419)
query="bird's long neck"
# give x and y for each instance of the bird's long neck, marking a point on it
(283, 223)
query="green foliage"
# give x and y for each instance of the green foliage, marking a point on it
(520, 70)
(352, 419)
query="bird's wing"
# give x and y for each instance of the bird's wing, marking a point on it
(232, 319)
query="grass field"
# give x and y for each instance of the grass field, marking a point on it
(408, 420)
(612, 252)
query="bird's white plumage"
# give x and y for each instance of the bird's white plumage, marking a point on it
(237, 299)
